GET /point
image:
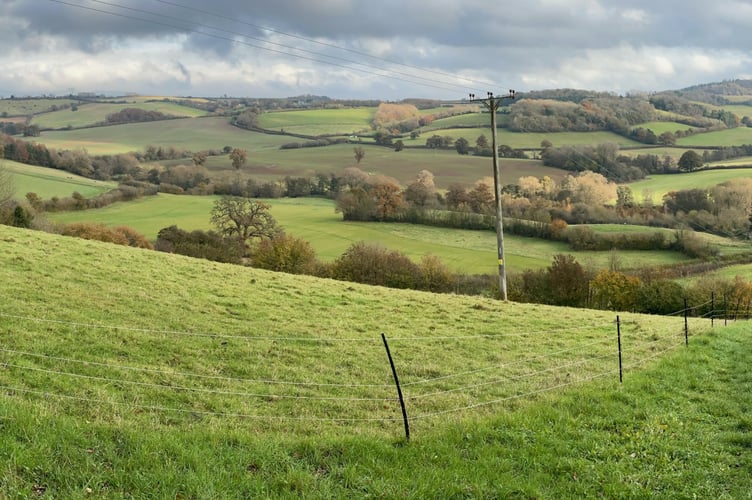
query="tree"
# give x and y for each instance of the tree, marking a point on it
(238, 157)
(462, 146)
(690, 161)
(399, 145)
(360, 153)
(243, 218)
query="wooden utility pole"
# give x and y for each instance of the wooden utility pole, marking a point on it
(493, 103)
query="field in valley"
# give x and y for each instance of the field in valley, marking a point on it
(131, 373)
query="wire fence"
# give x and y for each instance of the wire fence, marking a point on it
(277, 381)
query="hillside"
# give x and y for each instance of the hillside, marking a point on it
(127, 373)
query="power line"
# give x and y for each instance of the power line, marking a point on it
(381, 72)
(327, 44)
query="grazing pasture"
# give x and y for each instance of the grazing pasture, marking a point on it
(343, 122)
(183, 378)
(47, 182)
(192, 134)
(93, 113)
(315, 221)
(660, 184)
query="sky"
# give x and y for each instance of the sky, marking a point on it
(355, 49)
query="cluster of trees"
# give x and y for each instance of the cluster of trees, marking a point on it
(136, 115)
(616, 114)
(567, 283)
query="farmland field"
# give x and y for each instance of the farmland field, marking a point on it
(92, 113)
(184, 378)
(347, 121)
(315, 221)
(26, 107)
(193, 134)
(660, 184)
(527, 140)
(47, 182)
(447, 166)
(729, 137)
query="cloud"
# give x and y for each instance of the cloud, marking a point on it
(224, 46)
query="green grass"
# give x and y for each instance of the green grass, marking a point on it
(93, 113)
(660, 184)
(193, 134)
(15, 107)
(729, 137)
(505, 400)
(447, 166)
(675, 153)
(527, 140)
(315, 221)
(344, 121)
(47, 182)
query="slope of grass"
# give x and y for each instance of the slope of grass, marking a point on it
(315, 221)
(660, 184)
(730, 137)
(27, 107)
(93, 113)
(344, 121)
(526, 140)
(193, 134)
(447, 166)
(47, 182)
(113, 386)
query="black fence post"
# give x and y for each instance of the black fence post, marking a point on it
(618, 340)
(686, 324)
(399, 390)
(712, 309)
(725, 310)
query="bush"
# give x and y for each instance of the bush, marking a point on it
(200, 244)
(286, 254)
(375, 265)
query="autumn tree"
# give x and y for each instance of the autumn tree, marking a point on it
(238, 157)
(360, 153)
(387, 198)
(243, 218)
(567, 282)
(615, 290)
(422, 191)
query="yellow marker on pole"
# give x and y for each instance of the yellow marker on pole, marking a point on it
(501, 262)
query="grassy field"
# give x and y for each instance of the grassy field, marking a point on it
(447, 166)
(346, 121)
(138, 374)
(315, 221)
(193, 134)
(660, 184)
(528, 140)
(92, 113)
(730, 137)
(47, 182)
(26, 107)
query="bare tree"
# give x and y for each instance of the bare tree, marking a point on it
(243, 218)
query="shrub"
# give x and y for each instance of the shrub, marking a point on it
(375, 265)
(285, 253)
(200, 244)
